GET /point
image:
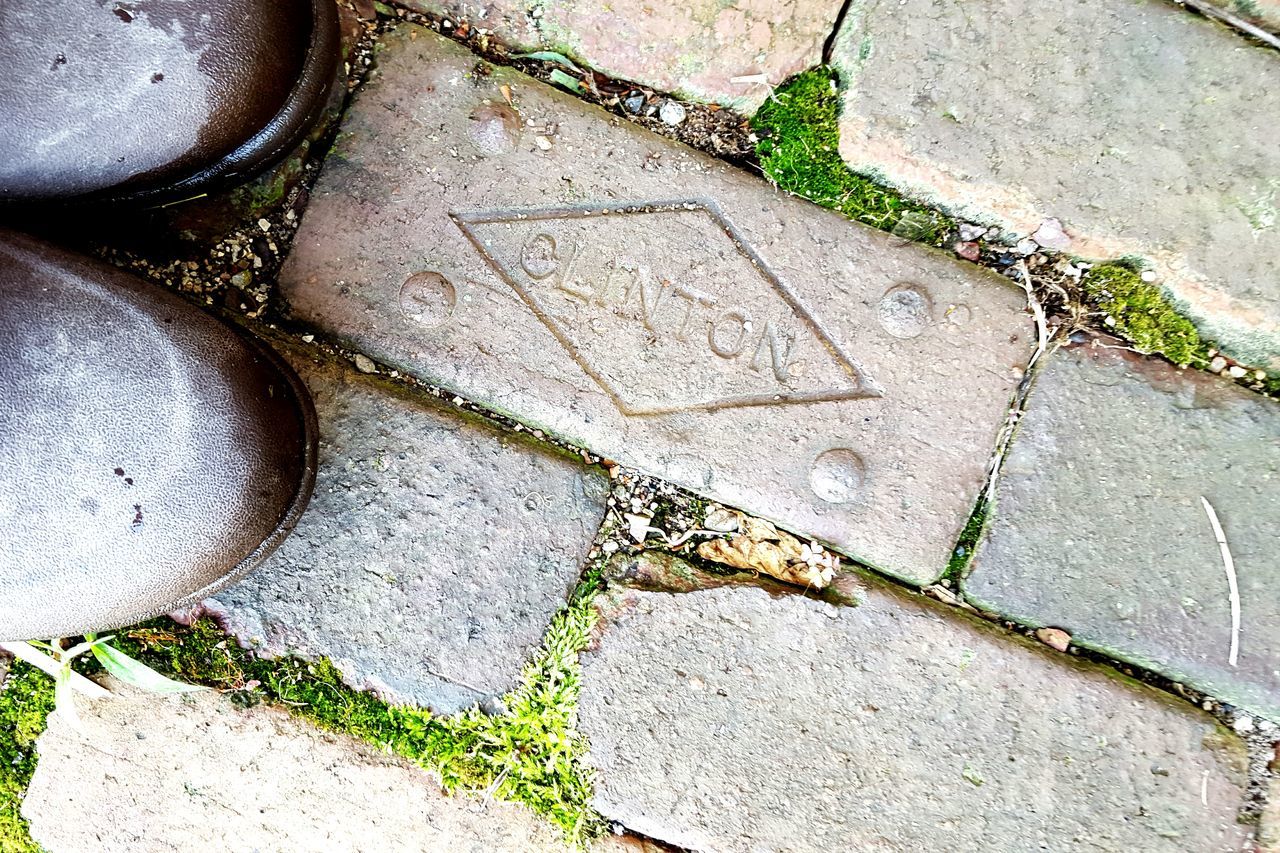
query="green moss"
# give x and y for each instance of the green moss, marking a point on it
(799, 150)
(962, 555)
(1141, 313)
(532, 753)
(25, 704)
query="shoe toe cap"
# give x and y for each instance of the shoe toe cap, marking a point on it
(121, 99)
(152, 454)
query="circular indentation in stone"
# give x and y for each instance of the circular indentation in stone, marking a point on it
(428, 298)
(837, 475)
(538, 257)
(905, 311)
(494, 129)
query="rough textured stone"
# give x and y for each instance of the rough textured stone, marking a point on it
(152, 775)
(728, 720)
(1098, 527)
(1269, 826)
(691, 49)
(661, 307)
(433, 554)
(1146, 130)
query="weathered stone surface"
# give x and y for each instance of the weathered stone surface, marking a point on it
(728, 720)
(691, 49)
(658, 306)
(1145, 129)
(1098, 527)
(433, 554)
(153, 775)
(1269, 826)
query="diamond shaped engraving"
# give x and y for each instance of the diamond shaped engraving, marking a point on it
(666, 306)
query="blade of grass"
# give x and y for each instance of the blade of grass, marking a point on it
(46, 664)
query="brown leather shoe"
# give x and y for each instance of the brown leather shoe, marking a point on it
(156, 100)
(151, 454)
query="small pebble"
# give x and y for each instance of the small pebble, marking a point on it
(264, 225)
(1235, 371)
(364, 364)
(1051, 235)
(634, 104)
(722, 520)
(968, 250)
(1217, 365)
(242, 279)
(672, 113)
(1243, 724)
(1148, 276)
(1025, 246)
(542, 142)
(969, 232)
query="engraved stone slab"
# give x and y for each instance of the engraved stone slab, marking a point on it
(1098, 526)
(434, 552)
(661, 307)
(156, 774)
(1145, 129)
(730, 720)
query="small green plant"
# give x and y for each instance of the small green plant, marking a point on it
(1138, 311)
(41, 682)
(55, 661)
(799, 150)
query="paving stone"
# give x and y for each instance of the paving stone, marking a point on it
(730, 720)
(433, 554)
(691, 49)
(1145, 129)
(663, 308)
(1098, 527)
(153, 775)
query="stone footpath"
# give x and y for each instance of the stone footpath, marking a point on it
(608, 289)
(1145, 130)
(1099, 525)
(658, 306)
(152, 775)
(434, 552)
(730, 720)
(695, 50)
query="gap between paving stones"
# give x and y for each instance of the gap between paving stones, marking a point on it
(506, 422)
(481, 407)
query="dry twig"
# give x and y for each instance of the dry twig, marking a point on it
(1233, 587)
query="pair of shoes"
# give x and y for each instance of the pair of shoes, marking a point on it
(152, 453)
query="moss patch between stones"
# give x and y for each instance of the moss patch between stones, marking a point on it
(1142, 315)
(967, 543)
(531, 753)
(799, 150)
(25, 704)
